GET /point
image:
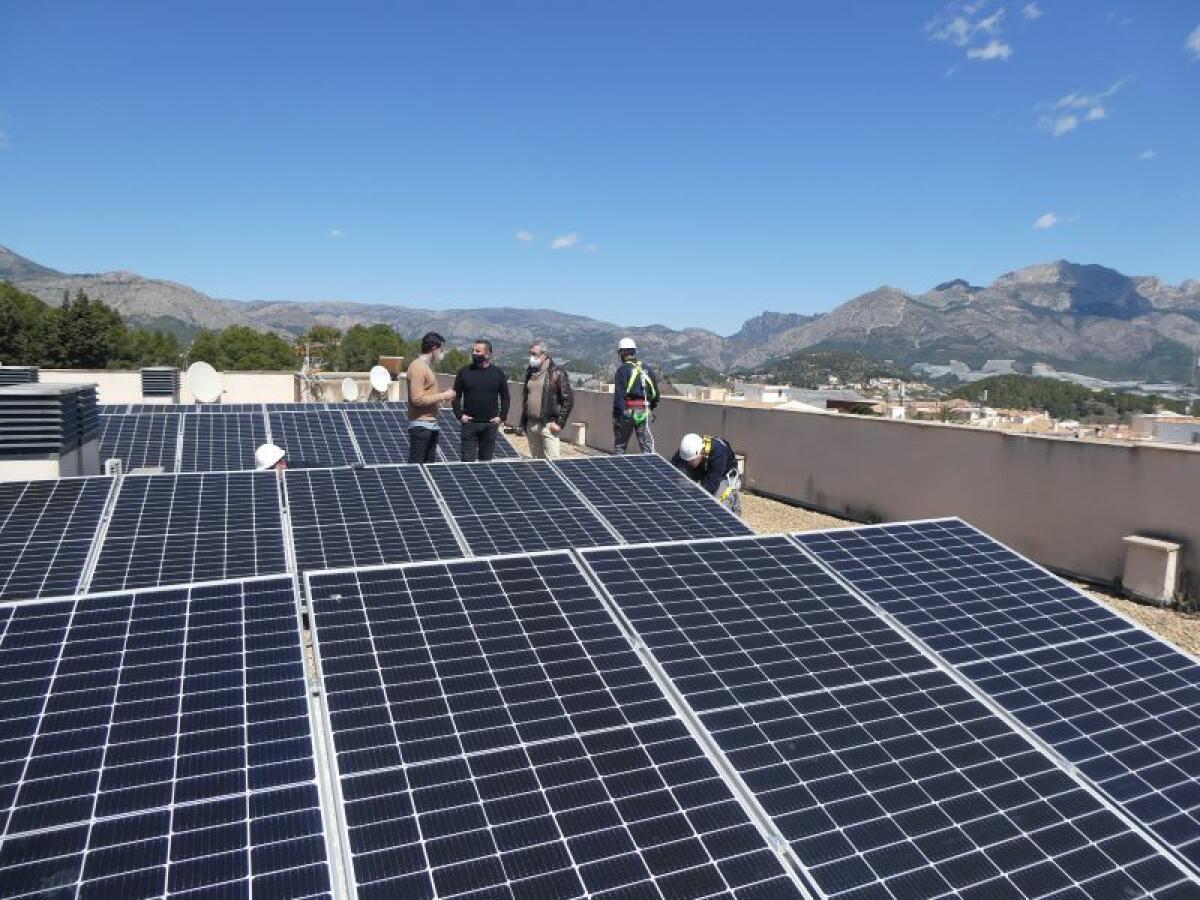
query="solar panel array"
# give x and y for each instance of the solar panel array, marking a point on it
(177, 529)
(142, 440)
(381, 433)
(520, 506)
(362, 517)
(159, 744)
(644, 498)
(885, 776)
(314, 439)
(497, 736)
(451, 441)
(1115, 701)
(221, 443)
(47, 529)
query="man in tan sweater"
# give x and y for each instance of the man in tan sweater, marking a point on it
(423, 399)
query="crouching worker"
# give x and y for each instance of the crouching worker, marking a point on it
(711, 462)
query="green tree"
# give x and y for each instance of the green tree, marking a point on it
(22, 327)
(454, 360)
(362, 345)
(242, 348)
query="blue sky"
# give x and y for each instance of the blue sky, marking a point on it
(696, 162)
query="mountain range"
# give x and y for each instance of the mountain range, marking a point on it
(1085, 318)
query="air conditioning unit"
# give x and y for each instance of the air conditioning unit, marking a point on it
(160, 384)
(18, 375)
(48, 431)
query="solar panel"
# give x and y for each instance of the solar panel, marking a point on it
(516, 506)
(227, 408)
(303, 407)
(1117, 702)
(46, 533)
(313, 439)
(496, 736)
(451, 440)
(177, 529)
(158, 744)
(381, 433)
(886, 778)
(221, 443)
(646, 499)
(140, 440)
(158, 409)
(112, 409)
(357, 517)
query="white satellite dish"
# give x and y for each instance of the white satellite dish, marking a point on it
(204, 382)
(349, 389)
(381, 379)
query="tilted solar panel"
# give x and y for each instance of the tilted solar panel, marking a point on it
(158, 744)
(221, 443)
(112, 409)
(140, 440)
(1114, 700)
(451, 440)
(647, 499)
(516, 506)
(497, 736)
(46, 533)
(177, 529)
(313, 439)
(381, 432)
(158, 409)
(886, 778)
(358, 517)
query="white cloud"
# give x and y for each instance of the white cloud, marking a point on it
(336, 233)
(951, 72)
(1113, 18)
(1068, 113)
(992, 50)
(589, 248)
(565, 242)
(1050, 219)
(957, 25)
(1192, 44)
(1147, 154)
(523, 235)
(1032, 11)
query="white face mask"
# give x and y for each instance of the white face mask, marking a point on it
(438, 356)
(535, 362)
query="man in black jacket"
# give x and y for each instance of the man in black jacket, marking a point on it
(480, 403)
(546, 403)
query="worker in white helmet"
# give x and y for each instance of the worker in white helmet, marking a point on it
(269, 456)
(711, 462)
(635, 396)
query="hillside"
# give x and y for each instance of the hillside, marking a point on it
(1060, 399)
(1080, 318)
(812, 368)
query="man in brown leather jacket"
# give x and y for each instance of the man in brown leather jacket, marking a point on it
(546, 403)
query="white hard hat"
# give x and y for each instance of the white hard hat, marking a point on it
(627, 344)
(267, 455)
(691, 447)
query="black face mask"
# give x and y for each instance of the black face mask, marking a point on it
(478, 358)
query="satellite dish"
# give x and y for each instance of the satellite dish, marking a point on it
(349, 389)
(204, 382)
(381, 379)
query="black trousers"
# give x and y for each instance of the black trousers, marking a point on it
(478, 441)
(422, 445)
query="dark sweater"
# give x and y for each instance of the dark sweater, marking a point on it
(710, 473)
(481, 393)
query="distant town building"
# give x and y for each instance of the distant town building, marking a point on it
(1166, 427)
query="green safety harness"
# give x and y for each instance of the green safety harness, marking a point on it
(648, 388)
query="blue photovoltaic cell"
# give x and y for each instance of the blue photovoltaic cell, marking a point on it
(886, 778)
(496, 736)
(359, 517)
(150, 409)
(156, 744)
(313, 439)
(221, 443)
(176, 529)
(519, 506)
(1119, 703)
(46, 533)
(967, 596)
(140, 440)
(451, 440)
(646, 499)
(381, 432)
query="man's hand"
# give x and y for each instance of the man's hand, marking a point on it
(495, 420)
(555, 428)
(448, 395)
(466, 420)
